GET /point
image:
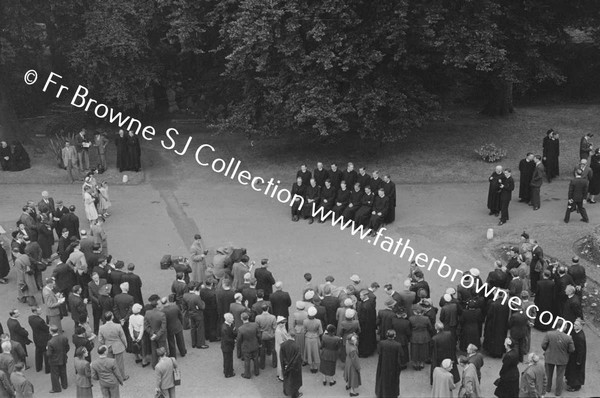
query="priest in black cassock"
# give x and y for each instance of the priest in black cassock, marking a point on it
(121, 143)
(551, 154)
(526, 169)
(493, 202)
(355, 202)
(506, 188)
(575, 372)
(389, 365)
(335, 176)
(381, 206)
(349, 175)
(496, 327)
(320, 175)
(298, 195)
(305, 174)
(311, 200)
(291, 364)
(390, 192)
(133, 152)
(367, 319)
(363, 214)
(342, 198)
(443, 345)
(327, 198)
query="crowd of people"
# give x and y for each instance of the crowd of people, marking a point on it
(240, 304)
(364, 199)
(584, 185)
(14, 157)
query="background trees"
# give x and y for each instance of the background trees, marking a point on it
(331, 69)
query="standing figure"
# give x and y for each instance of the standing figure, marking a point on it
(57, 349)
(82, 144)
(90, 207)
(578, 188)
(23, 388)
(197, 254)
(389, 365)
(104, 204)
(329, 353)
(107, 372)
(557, 347)
(304, 173)
(352, 367)
(469, 386)
(493, 202)
(506, 188)
(20, 157)
(83, 374)
(390, 192)
(575, 372)
(121, 144)
(508, 384)
(536, 182)
(298, 195)
(312, 339)
(551, 154)
(526, 169)
(228, 336)
(5, 157)
(133, 152)
(69, 158)
(164, 371)
(443, 382)
(291, 364)
(100, 142)
(533, 378)
(585, 146)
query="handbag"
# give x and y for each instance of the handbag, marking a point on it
(176, 374)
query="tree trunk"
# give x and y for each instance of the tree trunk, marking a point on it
(500, 102)
(8, 120)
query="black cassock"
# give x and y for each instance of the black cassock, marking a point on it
(545, 299)
(355, 201)
(20, 158)
(526, 170)
(311, 193)
(291, 363)
(389, 188)
(4, 264)
(5, 153)
(367, 319)
(387, 378)
(575, 373)
(327, 198)
(363, 214)
(470, 328)
(133, 153)
(342, 197)
(493, 202)
(121, 143)
(496, 328)
(380, 205)
(552, 154)
(443, 346)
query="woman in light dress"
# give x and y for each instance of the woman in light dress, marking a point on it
(90, 208)
(312, 340)
(104, 203)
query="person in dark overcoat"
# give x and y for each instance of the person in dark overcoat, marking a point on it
(578, 190)
(496, 327)
(575, 372)
(443, 346)
(228, 336)
(4, 265)
(133, 152)
(537, 180)
(390, 192)
(508, 384)
(506, 188)
(526, 169)
(551, 154)
(401, 325)
(545, 299)
(470, 326)
(41, 336)
(291, 363)
(389, 366)
(594, 188)
(367, 318)
(493, 202)
(121, 144)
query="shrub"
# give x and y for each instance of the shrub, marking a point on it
(490, 153)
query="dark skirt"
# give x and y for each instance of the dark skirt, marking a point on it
(84, 392)
(327, 368)
(419, 352)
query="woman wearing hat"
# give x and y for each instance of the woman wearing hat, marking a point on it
(296, 327)
(329, 353)
(312, 339)
(136, 331)
(420, 338)
(281, 335)
(352, 368)
(346, 328)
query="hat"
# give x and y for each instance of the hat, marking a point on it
(474, 271)
(575, 259)
(355, 278)
(300, 305)
(281, 319)
(105, 289)
(71, 208)
(312, 311)
(350, 313)
(237, 296)
(447, 297)
(119, 264)
(82, 232)
(446, 363)
(348, 302)
(154, 298)
(389, 302)
(309, 295)
(451, 291)
(329, 278)
(136, 308)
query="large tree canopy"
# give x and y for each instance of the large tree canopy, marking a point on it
(332, 69)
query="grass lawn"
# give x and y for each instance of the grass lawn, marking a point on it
(443, 151)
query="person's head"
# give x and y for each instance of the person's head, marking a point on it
(95, 277)
(447, 364)
(67, 144)
(180, 276)
(14, 313)
(569, 290)
(130, 133)
(390, 334)
(6, 347)
(537, 159)
(312, 312)
(578, 173)
(108, 316)
(357, 187)
(529, 156)
(578, 324)
(303, 168)
(161, 352)
(362, 170)
(53, 329)
(533, 358)
(333, 166)
(228, 317)
(244, 259)
(35, 310)
(509, 344)
(299, 180)
(343, 184)
(76, 289)
(327, 290)
(368, 189)
(388, 288)
(19, 366)
(547, 274)
(102, 350)
(375, 174)
(121, 133)
(320, 165)
(308, 277)
(245, 317)
(124, 287)
(507, 173)
(278, 285)
(439, 326)
(381, 192)
(238, 297)
(472, 349)
(498, 169)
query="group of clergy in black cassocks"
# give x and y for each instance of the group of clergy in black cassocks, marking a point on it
(367, 200)
(128, 151)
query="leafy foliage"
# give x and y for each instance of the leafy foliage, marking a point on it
(490, 153)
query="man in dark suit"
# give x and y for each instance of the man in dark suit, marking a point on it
(155, 324)
(208, 295)
(537, 256)
(70, 221)
(57, 349)
(280, 301)
(46, 205)
(57, 214)
(572, 307)
(135, 284)
(537, 179)
(520, 331)
(443, 345)
(406, 298)
(577, 272)
(77, 305)
(194, 306)
(506, 187)
(107, 372)
(557, 347)
(123, 302)
(498, 277)
(228, 336)
(248, 339)
(116, 277)
(174, 326)
(41, 336)
(578, 189)
(264, 278)
(331, 305)
(225, 296)
(561, 280)
(94, 293)
(389, 188)
(16, 331)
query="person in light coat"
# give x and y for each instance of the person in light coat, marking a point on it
(165, 380)
(111, 334)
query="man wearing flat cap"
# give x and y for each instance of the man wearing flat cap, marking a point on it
(155, 325)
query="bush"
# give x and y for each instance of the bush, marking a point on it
(490, 153)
